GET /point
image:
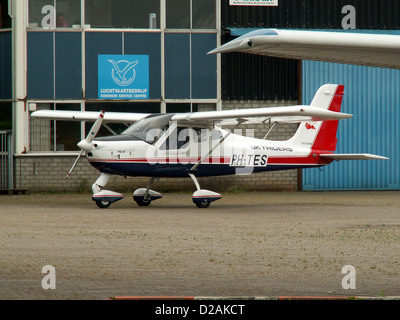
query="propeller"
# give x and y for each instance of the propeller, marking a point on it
(86, 144)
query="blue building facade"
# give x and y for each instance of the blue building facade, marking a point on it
(372, 95)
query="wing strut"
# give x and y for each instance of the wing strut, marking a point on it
(240, 121)
(270, 129)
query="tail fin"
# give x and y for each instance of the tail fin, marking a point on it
(321, 135)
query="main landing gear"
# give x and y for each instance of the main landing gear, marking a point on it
(144, 196)
(201, 197)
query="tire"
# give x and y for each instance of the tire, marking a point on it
(143, 202)
(103, 204)
(203, 204)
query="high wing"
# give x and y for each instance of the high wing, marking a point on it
(255, 115)
(109, 117)
(340, 47)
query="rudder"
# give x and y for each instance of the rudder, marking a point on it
(326, 139)
(321, 135)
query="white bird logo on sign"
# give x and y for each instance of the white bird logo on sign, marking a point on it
(123, 72)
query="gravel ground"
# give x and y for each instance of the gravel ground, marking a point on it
(247, 244)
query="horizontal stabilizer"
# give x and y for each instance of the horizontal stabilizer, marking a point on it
(352, 156)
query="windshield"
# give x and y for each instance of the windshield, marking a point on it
(150, 128)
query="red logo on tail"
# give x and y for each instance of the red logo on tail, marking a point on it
(310, 127)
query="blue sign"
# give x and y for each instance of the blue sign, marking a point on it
(123, 77)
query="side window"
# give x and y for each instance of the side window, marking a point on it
(204, 135)
(216, 135)
(178, 139)
(201, 135)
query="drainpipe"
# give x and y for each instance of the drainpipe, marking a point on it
(17, 12)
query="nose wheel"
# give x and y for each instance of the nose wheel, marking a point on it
(203, 204)
(104, 198)
(103, 204)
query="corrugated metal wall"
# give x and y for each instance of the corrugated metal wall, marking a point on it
(247, 77)
(372, 95)
(313, 14)
(253, 77)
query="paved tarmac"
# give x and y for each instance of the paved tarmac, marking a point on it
(246, 244)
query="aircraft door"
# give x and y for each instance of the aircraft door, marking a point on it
(207, 140)
(174, 146)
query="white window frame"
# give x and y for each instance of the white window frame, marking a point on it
(162, 30)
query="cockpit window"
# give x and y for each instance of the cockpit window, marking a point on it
(149, 129)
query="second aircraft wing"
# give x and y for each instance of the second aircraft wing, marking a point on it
(376, 50)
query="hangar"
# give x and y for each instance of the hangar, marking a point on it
(55, 54)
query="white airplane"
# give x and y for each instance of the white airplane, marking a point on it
(194, 144)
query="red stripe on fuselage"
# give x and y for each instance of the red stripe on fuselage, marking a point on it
(222, 160)
(312, 159)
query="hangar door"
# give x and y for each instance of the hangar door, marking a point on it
(372, 95)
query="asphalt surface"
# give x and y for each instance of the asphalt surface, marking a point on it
(246, 244)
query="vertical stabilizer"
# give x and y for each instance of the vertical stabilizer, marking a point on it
(321, 135)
